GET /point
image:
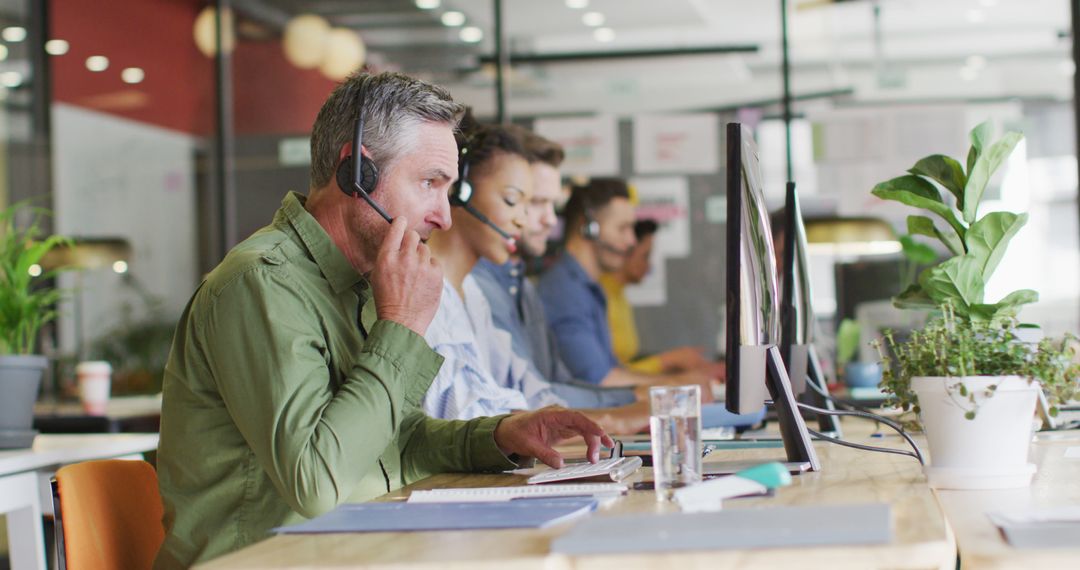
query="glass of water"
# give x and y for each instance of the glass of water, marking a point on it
(675, 423)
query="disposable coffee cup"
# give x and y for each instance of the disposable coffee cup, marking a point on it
(95, 380)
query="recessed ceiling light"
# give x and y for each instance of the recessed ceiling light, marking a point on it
(603, 34)
(11, 79)
(593, 19)
(428, 4)
(976, 61)
(471, 34)
(13, 34)
(57, 47)
(132, 75)
(577, 4)
(3, 52)
(453, 19)
(120, 266)
(97, 63)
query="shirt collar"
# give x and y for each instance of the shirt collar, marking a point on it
(333, 264)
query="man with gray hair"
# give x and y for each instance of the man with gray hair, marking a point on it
(297, 369)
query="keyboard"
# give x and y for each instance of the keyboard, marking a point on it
(614, 469)
(499, 494)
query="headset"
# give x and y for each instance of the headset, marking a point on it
(462, 192)
(357, 175)
(590, 230)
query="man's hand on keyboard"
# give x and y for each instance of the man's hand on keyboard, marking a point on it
(532, 434)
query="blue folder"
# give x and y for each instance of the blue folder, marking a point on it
(402, 516)
(716, 415)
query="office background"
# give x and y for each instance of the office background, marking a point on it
(126, 120)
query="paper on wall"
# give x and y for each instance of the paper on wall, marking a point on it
(591, 144)
(684, 144)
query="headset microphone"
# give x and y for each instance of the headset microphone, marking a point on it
(511, 243)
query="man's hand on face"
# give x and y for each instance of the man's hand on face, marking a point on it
(406, 280)
(532, 434)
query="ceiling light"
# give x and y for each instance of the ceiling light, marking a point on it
(976, 61)
(132, 75)
(428, 4)
(577, 4)
(593, 19)
(11, 79)
(97, 63)
(3, 52)
(120, 266)
(471, 34)
(976, 16)
(453, 19)
(57, 47)
(34, 270)
(603, 34)
(13, 34)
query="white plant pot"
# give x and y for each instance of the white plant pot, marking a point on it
(987, 452)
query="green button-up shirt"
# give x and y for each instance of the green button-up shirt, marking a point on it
(276, 407)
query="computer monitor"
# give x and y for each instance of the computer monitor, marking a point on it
(797, 316)
(755, 369)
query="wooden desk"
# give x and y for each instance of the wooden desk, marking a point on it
(1057, 483)
(921, 537)
(24, 483)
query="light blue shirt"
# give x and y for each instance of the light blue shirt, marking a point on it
(480, 375)
(576, 310)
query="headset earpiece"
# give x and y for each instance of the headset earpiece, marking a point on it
(369, 175)
(462, 191)
(591, 228)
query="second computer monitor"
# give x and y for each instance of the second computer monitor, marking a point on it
(796, 312)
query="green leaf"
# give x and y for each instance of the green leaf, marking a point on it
(980, 137)
(988, 238)
(913, 298)
(919, 193)
(919, 253)
(957, 281)
(924, 226)
(946, 171)
(985, 165)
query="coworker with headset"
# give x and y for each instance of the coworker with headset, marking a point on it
(481, 374)
(599, 236)
(515, 303)
(298, 367)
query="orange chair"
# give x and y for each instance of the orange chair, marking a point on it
(108, 515)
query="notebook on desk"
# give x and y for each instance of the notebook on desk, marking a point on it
(400, 516)
(737, 528)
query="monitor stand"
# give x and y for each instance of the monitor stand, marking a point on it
(801, 455)
(829, 425)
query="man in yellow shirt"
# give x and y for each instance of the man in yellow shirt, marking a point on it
(624, 337)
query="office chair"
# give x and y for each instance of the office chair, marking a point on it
(108, 515)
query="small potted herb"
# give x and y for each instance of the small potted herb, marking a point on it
(26, 304)
(972, 382)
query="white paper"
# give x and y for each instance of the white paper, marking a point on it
(591, 144)
(676, 143)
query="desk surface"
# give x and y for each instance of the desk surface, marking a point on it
(921, 538)
(1057, 483)
(50, 450)
(119, 407)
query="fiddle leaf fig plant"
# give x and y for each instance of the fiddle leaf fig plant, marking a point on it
(976, 244)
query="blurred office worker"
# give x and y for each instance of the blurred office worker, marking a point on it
(624, 336)
(481, 373)
(514, 300)
(599, 236)
(299, 366)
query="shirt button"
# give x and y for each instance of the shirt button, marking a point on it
(513, 289)
(514, 272)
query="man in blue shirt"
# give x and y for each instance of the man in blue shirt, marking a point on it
(514, 300)
(599, 234)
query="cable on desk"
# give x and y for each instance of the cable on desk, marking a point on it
(866, 415)
(867, 447)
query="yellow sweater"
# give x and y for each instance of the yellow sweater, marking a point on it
(624, 337)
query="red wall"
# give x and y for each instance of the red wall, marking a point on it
(270, 95)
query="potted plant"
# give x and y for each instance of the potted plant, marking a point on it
(971, 381)
(25, 305)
